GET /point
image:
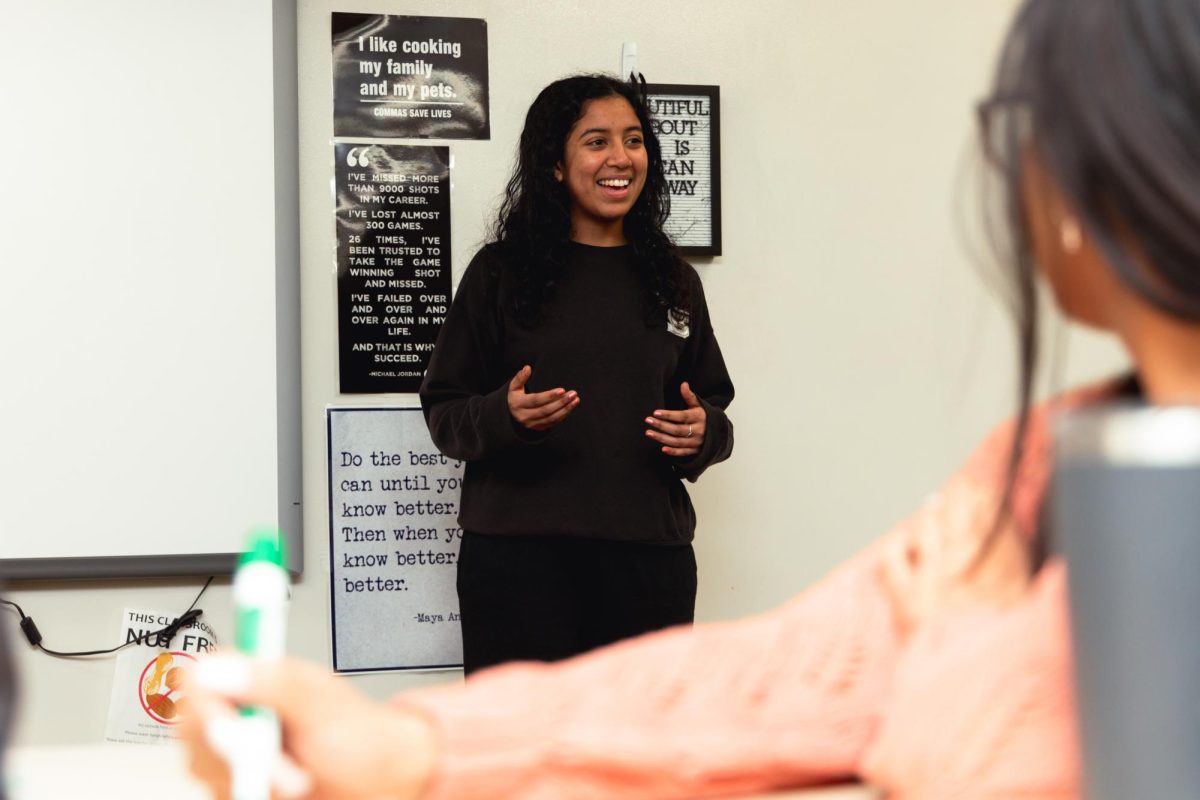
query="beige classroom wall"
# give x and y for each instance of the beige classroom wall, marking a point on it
(868, 354)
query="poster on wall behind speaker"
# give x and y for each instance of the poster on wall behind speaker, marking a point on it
(398, 77)
(687, 121)
(393, 262)
(393, 543)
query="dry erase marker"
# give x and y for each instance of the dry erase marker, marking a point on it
(260, 596)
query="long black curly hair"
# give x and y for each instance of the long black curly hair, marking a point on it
(533, 226)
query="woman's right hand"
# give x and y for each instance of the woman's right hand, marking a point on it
(338, 744)
(538, 411)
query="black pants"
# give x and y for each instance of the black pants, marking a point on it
(546, 598)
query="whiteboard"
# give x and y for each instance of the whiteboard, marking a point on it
(148, 320)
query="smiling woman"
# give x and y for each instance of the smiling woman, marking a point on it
(578, 376)
(604, 168)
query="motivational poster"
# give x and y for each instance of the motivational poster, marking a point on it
(404, 77)
(393, 543)
(686, 120)
(393, 262)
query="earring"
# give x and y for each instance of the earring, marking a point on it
(1070, 236)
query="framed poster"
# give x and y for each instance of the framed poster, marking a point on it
(687, 120)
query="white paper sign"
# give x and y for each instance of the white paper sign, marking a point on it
(393, 543)
(148, 701)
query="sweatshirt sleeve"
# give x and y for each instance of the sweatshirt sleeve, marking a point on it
(703, 367)
(788, 697)
(982, 701)
(982, 705)
(464, 395)
(819, 689)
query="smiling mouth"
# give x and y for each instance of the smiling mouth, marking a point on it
(615, 183)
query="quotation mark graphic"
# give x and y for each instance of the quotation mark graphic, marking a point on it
(357, 157)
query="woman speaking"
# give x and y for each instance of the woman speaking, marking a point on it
(579, 377)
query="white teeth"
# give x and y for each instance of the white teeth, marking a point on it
(615, 183)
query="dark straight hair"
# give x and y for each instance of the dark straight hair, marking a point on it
(1107, 95)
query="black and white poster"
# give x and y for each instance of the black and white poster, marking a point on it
(393, 262)
(688, 124)
(398, 77)
(393, 543)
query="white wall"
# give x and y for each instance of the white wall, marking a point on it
(867, 354)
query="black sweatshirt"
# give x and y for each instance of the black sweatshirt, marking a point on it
(595, 474)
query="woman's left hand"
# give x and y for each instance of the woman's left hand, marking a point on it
(681, 433)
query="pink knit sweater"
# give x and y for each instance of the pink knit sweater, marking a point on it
(976, 704)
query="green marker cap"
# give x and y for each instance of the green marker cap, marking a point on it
(263, 544)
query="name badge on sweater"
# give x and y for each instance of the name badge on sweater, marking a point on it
(678, 326)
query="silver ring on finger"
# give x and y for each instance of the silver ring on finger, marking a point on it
(689, 432)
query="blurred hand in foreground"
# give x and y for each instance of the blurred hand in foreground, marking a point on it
(337, 743)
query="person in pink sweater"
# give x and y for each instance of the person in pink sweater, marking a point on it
(936, 663)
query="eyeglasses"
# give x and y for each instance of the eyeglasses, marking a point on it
(1005, 127)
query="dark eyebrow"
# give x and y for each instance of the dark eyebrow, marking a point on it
(590, 131)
